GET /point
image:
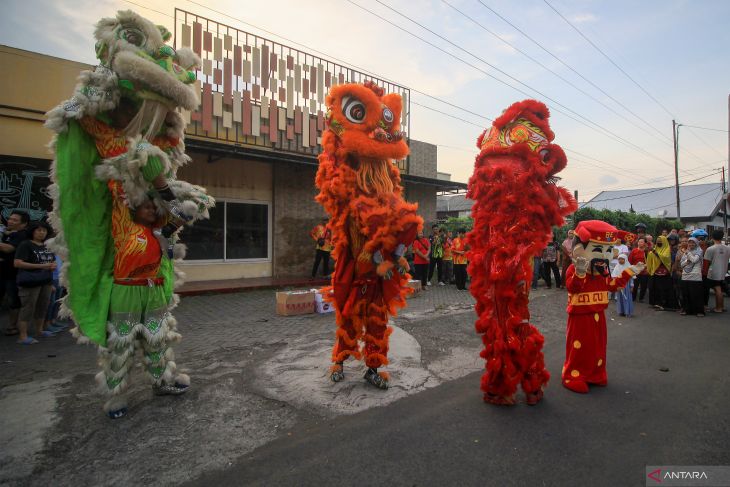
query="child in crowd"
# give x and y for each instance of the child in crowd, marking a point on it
(624, 300)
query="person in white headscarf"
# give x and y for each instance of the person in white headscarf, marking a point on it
(624, 301)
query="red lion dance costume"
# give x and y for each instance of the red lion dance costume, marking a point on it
(589, 281)
(516, 203)
(371, 223)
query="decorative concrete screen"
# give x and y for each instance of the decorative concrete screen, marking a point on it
(258, 92)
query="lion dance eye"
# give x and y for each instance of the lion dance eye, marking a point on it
(544, 154)
(353, 109)
(387, 115)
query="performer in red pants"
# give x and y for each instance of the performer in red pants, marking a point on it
(588, 282)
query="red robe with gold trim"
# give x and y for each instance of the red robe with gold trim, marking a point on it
(586, 337)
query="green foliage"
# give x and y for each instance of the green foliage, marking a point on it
(453, 224)
(623, 220)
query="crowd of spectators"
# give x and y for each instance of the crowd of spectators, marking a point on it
(682, 268)
(29, 281)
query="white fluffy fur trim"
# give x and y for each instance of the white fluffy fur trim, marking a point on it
(174, 301)
(166, 377)
(171, 322)
(97, 91)
(175, 125)
(117, 390)
(106, 31)
(173, 337)
(115, 403)
(183, 379)
(128, 169)
(128, 65)
(187, 58)
(195, 199)
(179, 251)
(81, 339)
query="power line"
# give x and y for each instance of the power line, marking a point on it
(608, 58)
(604, 165)
(697, 136)
(643, 128)
(334, 58)
(150, 8)
(309, 48)
(715, 173)
(665, 138)
(471, 151)
(593, 125)
(376, 75)
(327, 55)
(703, 128)
(573, 69)
(639, 185)
(447, 114)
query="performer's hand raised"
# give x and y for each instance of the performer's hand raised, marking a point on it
(581, 265)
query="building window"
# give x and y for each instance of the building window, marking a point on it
(235, 231)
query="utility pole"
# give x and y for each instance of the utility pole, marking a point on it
(724, 203)
(675, 135)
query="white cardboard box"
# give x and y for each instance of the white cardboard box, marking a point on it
(322, 306)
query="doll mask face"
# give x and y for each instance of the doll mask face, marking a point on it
(598, 254)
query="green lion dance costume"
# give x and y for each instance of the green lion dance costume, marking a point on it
(118, 205)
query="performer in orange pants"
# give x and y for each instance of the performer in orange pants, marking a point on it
(589, 282)
(371, 223)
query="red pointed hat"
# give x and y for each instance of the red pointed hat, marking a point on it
(597, 231)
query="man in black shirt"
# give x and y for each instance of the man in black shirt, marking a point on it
(12, 237)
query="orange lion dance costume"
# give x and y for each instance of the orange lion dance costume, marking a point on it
(371, 223)
(516, 203)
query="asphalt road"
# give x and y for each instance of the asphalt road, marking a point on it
(448, 436)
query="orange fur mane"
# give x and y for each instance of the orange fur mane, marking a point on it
(373, 177)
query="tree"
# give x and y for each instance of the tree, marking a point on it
(623, 220)
(453, 224)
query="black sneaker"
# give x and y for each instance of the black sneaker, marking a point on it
(376, 379)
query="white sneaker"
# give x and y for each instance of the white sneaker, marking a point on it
(441, 284)
(429, 283)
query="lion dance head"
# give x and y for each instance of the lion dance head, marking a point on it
(364, 131)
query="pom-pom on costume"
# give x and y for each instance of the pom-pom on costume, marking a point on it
(117, 204)
(371, 224)
(589, 281)
(516, 203)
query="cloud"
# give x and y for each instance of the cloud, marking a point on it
(583, 18)
(607, 179)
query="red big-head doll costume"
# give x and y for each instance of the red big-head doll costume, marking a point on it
(589, 281)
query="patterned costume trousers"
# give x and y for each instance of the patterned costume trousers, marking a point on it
(139, 324)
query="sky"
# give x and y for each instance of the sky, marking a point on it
(611, 105)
